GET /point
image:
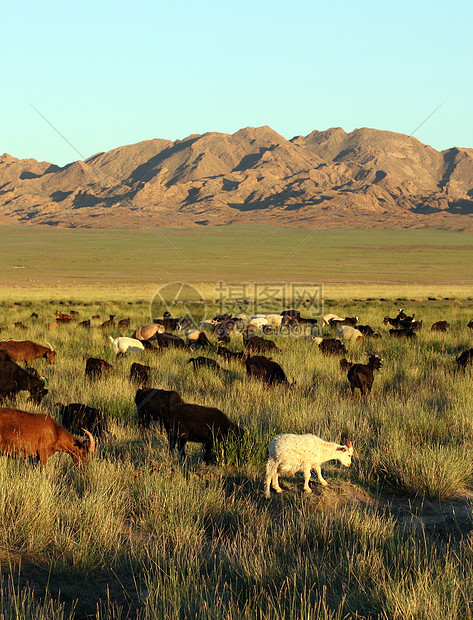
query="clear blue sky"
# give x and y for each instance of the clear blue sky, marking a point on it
(113, 73)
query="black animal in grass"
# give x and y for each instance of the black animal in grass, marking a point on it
(14, 379)
(170, 340)
(258, 344)
(228, 355)
(361, 376)
(206, 425)
(265, 369)
(155, 405)
(77, 416)
(96, 367)
(139, 373)
(204, 362)
(332, 346)
(465, 359)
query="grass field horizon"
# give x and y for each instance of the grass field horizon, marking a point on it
(371, 260)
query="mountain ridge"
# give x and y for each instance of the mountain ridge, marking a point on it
(367, 178)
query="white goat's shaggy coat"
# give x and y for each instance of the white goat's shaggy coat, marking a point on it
(123, 344)
(328, 317)
(347, 332)
(258, 321)
(289, 454)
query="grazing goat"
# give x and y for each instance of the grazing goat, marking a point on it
(440, 326)
(367, 330)
(207, 362)
(465, 359)
(328, 317)
(64, 317)
(332, 346)
(170, 340)
(76, 417)
(361, 376)
(85, 323)
(147, 331)
(168, 322)
(29, 434)
(109, 323)
(231, 355)
(264, 368)
(153, 404)
(123, 344)
(189, 422)
(289, 454)
(258, 344)
(196, 337)
(150, 347)
(257, 321)
(28, 351)
(345, 365)
(403, 333)
(349, 333)
(14, 379)
(139, 373)
(349, 320)
(95, 367)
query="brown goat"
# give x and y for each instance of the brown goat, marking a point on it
(30, 434)
(28, 351)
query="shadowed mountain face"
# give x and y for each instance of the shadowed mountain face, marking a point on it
(363, 179)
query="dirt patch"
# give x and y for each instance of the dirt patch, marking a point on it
(340, 494)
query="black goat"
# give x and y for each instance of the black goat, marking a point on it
(267, 370)
(361, 376)
(139, 373)
(332, 346)
(77, 416)
(199, 362)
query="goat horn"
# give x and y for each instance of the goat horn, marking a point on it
(348, 443)
(92, 441)
(49, 345)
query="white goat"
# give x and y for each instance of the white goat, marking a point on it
(289, 454)
(258, 321)
(275, 320)
(123, 345)
(347, 332)
(328, 317)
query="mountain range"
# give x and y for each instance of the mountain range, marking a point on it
(364, 179)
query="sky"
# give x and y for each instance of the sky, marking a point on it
(109, 73)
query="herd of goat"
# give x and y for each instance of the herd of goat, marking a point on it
(28, 434)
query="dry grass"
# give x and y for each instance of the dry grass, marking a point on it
(137, 533)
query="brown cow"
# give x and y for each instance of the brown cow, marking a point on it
(30, 434)
(28, 351)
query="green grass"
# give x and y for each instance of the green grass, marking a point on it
(136, 532)
(80, 257)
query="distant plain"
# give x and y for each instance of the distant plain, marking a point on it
(350, 263)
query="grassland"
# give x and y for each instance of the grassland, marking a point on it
(373, 261)
(136, 534)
